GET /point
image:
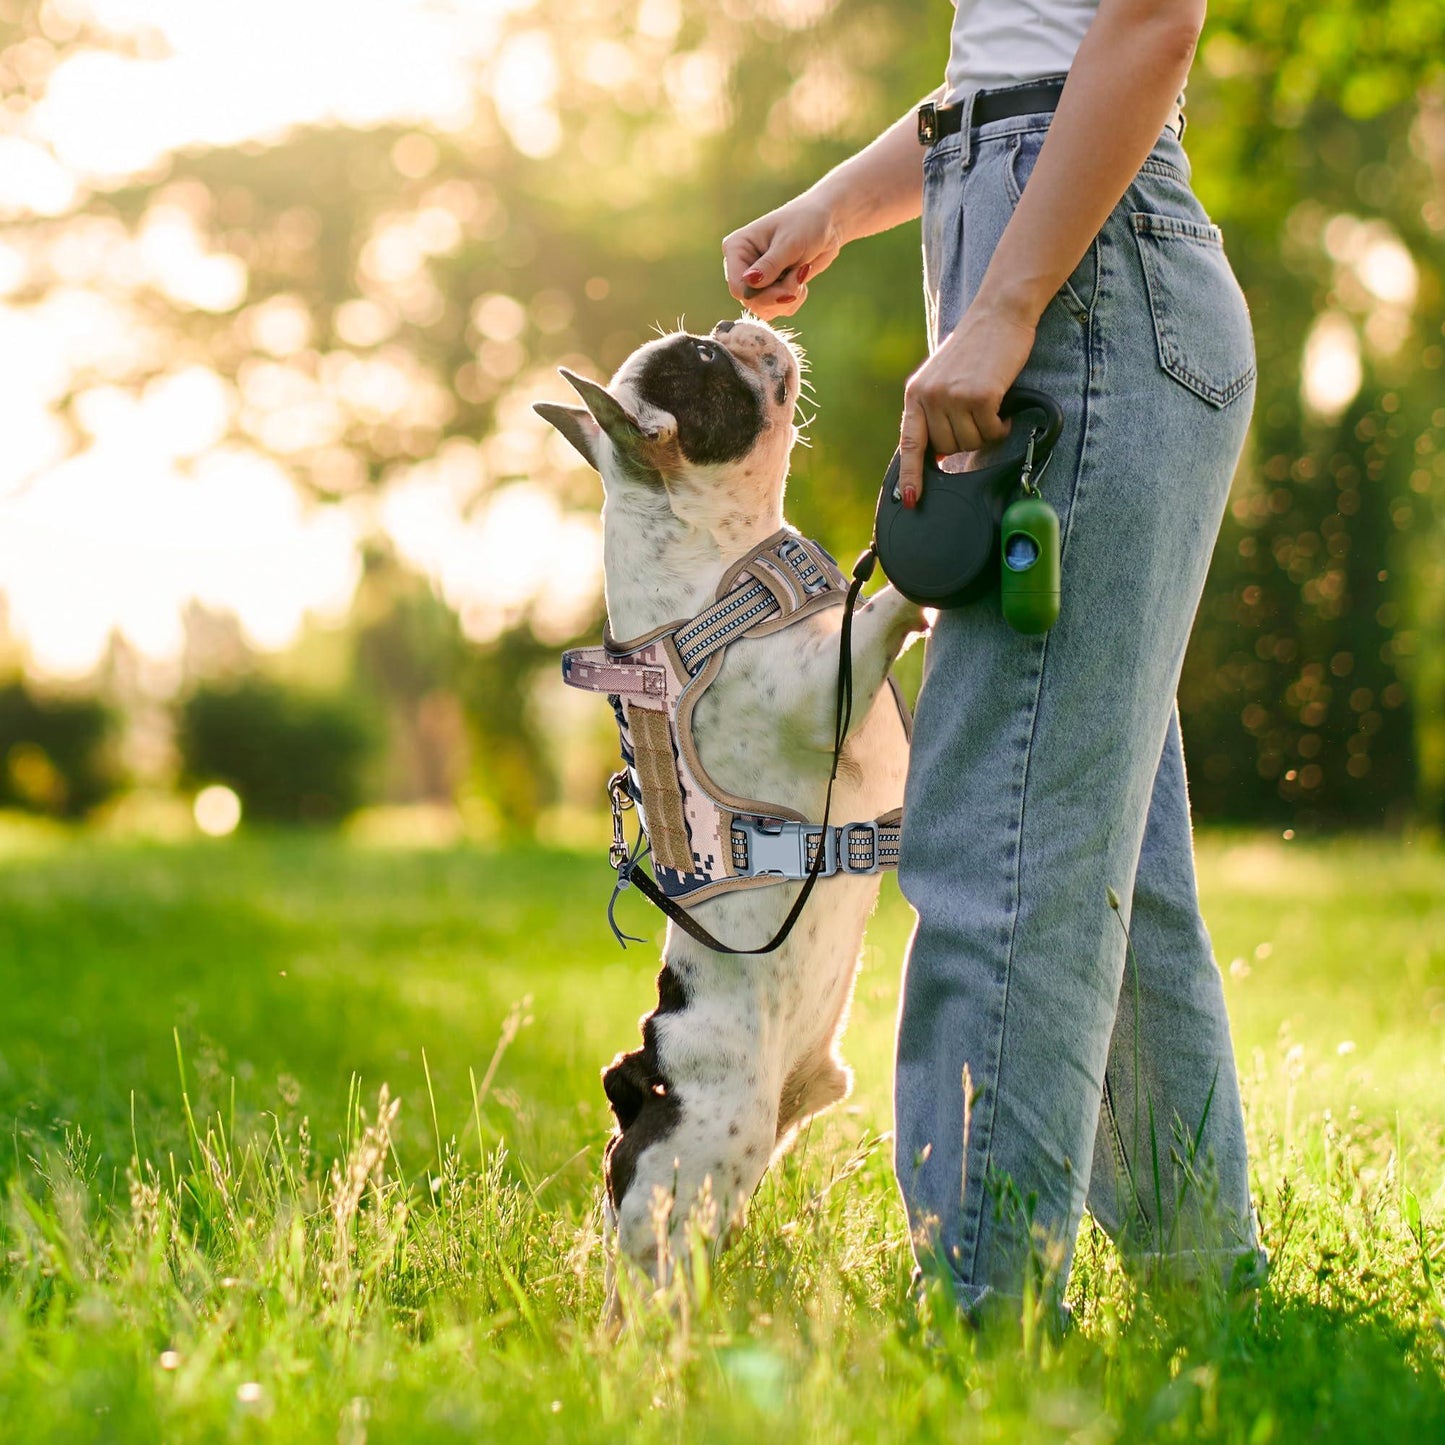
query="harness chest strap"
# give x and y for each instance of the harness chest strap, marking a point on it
(703, 841)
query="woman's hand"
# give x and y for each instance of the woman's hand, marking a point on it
(768, 263)
(951, 402)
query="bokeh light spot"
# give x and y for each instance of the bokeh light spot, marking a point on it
(217, 810)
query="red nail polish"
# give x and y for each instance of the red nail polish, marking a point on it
(804, 271)
(753, 277)
(786, 299)
(910, 498)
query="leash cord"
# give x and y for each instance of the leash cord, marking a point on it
(631, 870)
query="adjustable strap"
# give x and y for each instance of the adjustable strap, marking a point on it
(595, 669)
(809, 566)
(777, 848)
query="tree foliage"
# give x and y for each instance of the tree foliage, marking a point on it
(408, 293)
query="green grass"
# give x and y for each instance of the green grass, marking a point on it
(238, 1244)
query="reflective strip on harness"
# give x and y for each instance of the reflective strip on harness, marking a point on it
(723, 622)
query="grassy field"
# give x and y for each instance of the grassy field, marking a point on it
(217, 1224)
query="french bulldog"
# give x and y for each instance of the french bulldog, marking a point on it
(692, 438)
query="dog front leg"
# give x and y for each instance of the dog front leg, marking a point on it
(882, 627)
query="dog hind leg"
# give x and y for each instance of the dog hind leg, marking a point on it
(815, 1084)
(695, 1109)
(709, 1162)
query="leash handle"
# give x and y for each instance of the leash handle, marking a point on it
(842, 719)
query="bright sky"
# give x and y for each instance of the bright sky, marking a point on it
(157, 509)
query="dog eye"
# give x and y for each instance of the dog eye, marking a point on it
(706, 350)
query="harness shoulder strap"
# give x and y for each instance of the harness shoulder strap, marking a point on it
(772, 586)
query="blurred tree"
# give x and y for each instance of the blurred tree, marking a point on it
(291, 756)
(461, 719)
(407, 293)
(1310, 694)
(57, 753)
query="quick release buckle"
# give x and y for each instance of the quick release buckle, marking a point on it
(779, 848)
(927, 123)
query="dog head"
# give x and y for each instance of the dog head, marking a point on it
(694, 416)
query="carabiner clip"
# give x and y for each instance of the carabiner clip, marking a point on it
(1026, 473)
(621, 800)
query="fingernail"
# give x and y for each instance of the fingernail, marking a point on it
(753, 277)
(786, 299)
(910, 497)
(804, 271)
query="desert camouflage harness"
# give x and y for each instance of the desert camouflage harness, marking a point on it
(703, 840)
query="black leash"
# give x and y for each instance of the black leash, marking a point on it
(630, 871)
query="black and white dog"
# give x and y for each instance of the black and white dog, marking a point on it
(692, 439)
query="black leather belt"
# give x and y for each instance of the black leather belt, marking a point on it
(937, 121)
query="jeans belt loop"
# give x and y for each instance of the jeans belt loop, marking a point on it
(965, 132)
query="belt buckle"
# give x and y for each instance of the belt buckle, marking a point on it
(927, 123)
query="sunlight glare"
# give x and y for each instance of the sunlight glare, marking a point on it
(162, 507)
(518, 555)
(119, 539)
(524, 84)
(218, 76)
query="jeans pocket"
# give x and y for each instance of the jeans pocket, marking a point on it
(1076, 295)
(1201, 320)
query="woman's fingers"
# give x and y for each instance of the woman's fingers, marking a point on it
(741, 252)
(762, 259)
(951, 402)
(946, 433)
(768, 262)
(785, 297)
(912, 442)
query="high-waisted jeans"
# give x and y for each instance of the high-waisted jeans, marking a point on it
(1040, 1069)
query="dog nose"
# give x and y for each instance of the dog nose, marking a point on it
(722, 328)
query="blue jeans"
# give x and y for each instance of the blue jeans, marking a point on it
(1040, 1071)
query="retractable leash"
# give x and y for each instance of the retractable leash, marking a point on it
(964, 534)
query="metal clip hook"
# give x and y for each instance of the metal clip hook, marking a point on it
(1027, 473)
(621, 800)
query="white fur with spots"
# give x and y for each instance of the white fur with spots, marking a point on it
(726, 1078)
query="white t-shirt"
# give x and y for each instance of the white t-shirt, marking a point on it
(1007, 42)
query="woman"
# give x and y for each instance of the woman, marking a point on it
(1064, 249)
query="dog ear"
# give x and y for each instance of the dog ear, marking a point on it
(623, 430)
(575, 423)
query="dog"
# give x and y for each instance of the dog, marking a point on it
(692, 439)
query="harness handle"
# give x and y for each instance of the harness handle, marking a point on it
(842, 719)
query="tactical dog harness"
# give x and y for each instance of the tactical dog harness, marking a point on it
(704, 841)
